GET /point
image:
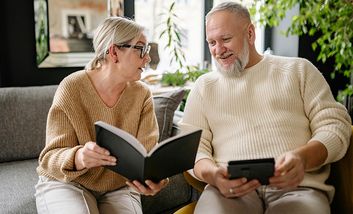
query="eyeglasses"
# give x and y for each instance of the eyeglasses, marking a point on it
(145, 49)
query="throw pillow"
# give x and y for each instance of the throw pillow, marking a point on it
(164, 105)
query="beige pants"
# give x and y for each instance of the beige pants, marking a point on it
(57, 197)
(265, 200)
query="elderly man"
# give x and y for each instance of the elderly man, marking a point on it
(260, 106)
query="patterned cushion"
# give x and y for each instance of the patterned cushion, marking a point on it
(165, 104)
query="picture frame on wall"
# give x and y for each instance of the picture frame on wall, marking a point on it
(76, 24)
(69, 27)
(41, 29)
(116, 7)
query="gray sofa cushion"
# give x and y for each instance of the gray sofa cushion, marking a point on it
(165, 105)
(17, 186)
(23, 118)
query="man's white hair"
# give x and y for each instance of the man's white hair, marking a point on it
(232, 7)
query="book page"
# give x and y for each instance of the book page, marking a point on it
(124, 135)
(168, 140)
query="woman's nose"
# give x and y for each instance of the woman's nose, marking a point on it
(147, 59)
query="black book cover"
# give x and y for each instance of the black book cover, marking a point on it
(169, 157)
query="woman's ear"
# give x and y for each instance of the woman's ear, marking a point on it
(113, 53)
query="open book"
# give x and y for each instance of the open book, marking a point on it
(169, 157)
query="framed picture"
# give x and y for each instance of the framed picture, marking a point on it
(76, 24)
(72, 24)
(41, 29)
(64, 29)
(116, 7)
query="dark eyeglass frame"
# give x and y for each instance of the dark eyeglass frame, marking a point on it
(145, 49)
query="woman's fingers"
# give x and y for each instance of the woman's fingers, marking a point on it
(92, 155)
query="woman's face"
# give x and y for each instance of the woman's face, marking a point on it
(133, 58)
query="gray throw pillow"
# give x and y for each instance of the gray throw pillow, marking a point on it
(164, 105)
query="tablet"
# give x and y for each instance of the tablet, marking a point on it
(260, 169)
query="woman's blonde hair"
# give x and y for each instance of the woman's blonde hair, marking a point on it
(113, 30)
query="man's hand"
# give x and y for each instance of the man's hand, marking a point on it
(289, 171)
(92, 155)
(218, 176)
(235, 187)
(291, 166)
(151, 189)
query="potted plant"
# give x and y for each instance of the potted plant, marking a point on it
(171, 31)
(331, 20)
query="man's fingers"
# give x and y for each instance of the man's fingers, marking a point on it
(243, 189)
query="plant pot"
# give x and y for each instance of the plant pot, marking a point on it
(154, 55)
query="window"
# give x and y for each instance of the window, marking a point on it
(190, 21)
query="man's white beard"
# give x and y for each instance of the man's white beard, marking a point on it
(238, 67)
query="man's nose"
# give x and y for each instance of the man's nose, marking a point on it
(219, 49)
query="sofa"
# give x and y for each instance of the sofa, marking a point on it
(23, 114)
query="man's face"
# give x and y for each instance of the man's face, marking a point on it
(226, 36)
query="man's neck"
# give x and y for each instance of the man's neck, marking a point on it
(254, 58)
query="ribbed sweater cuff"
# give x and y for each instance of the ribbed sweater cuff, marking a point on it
(333, 145)
(69, 165)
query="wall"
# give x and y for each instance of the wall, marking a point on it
(282, 45)
(18, 66)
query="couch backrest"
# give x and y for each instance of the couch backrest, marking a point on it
(23, 115)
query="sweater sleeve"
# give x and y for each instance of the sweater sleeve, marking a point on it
(194, 117)
(58, 157)
(329, 121)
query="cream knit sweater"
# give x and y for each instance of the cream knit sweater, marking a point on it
(76, 106)
(276, 105)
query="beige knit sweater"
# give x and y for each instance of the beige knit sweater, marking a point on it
(277, 105)
(76, 106)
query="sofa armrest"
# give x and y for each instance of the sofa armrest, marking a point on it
(197, 184)
(342, 179)
(178, 115)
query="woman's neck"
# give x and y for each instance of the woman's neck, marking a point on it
(108, 86)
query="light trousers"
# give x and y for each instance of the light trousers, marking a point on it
(265, 200)
(53, 196)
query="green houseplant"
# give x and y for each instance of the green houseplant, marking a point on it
(172, 33)
(331, 20)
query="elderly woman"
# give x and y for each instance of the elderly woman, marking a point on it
(72, 178)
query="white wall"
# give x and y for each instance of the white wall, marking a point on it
(282, 45)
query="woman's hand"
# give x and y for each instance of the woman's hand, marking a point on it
(91, 155)
(150, 189)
